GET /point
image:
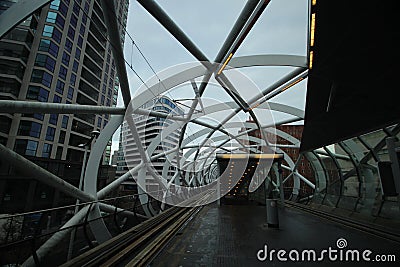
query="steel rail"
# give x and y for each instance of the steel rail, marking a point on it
(135, 235)
(363, 227)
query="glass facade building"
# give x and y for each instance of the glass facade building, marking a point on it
(60, 54)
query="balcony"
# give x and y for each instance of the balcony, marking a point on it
(97, 45)
(20, 35)
(90, 78)
(96, 70)
(89, 91)
(9, 86)
(97, 8)
(88, 118)
(84, 100)
(14, 50)
(81, 128)
(10, 67)
(98, 34)
(98, 21)
(75, 140)
(94, 55)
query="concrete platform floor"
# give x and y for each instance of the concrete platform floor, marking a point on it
(233, 235)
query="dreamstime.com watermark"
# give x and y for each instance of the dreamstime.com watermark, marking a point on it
(334, 254)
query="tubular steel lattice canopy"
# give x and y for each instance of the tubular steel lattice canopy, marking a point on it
(350, 89)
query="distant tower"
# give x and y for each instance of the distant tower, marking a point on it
(148, 128)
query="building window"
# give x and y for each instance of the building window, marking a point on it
(57, 99)
(102, 99)
(60, 87)
(46, 152)
(71, 32)
(74, 20)
(64, 122)
(38, 116)
(63, 9)
(65, 58)
(60, 22)
(40, 76)
(50, 133)
(48, 46)
(70, 94)
(63, 72)
(53, 119)
(84, 18)
(72, 79)
(26, 147)
(68, 45)
(78, 53)
(75, 66)
(86, 8)
(61, 137)
(55, 4)
(82, 30)
(99, 122)
(45, 61)
(59, 152)
(51, 17)
(80, 41)
(51, 31)
(37, 93)
(76, 9)
(29, 128)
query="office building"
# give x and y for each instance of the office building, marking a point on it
(148, 128)
(60, 54)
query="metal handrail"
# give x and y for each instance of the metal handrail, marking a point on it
(33, 240)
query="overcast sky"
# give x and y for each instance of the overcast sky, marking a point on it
(282, 29)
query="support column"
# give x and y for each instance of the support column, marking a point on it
(280, 177)
(391, 146)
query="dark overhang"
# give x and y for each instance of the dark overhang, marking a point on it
(352, 85)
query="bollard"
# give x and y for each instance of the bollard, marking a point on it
(272, 213)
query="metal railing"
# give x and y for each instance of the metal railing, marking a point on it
(22, 234)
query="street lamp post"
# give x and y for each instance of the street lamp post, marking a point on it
(94, 135)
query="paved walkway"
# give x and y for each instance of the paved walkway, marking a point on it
(232, 236)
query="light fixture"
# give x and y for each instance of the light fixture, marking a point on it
(225, 63)
(293, 83)
(312, 29)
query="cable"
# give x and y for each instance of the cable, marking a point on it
(112, 44)
(141, 53)
(120, 24)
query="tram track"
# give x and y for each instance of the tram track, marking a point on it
(115, 250)
(140, 244)
(367, 228)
